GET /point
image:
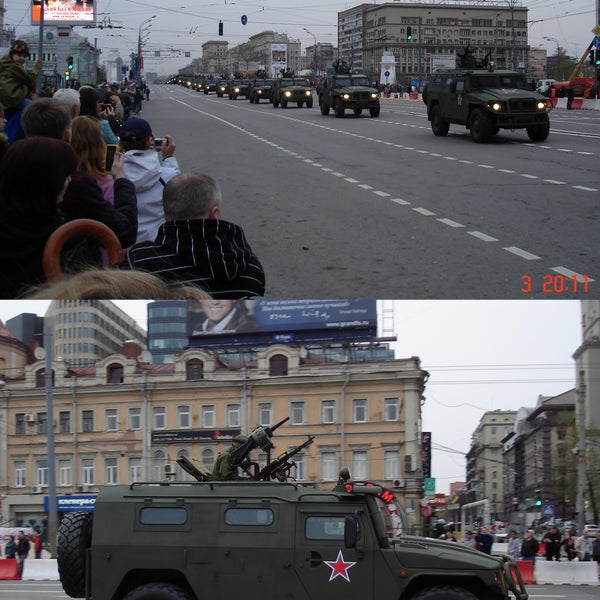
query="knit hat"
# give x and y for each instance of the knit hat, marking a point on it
(135, 130)
(19, 47)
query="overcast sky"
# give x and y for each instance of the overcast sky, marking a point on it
(178, 28)
(481, 355)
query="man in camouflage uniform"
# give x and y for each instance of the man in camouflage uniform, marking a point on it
(224, 469)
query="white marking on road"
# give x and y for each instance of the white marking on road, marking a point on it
(365, 186)
(568, 273)
(350, 180)
(585, 189)
(482, 236)
(400, 201)
(529, 176)
(522, 253)
(424, 211)
(382, 194)
(554, 181)
(338, 174)
(486, 166)
(450, 222)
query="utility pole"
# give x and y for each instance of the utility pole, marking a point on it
(580, 452)
(52, 508)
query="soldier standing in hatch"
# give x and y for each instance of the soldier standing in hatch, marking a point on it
(224, 470)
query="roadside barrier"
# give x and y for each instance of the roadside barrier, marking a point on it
(526, 568)
(566, 572)
(9, 570)
(40, 569)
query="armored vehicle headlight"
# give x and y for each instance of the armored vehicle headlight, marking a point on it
(308, 93)
(375, 95)
(236, 90)
(346, 96)
(496, 106)
(541, 105)
(259, 91)
(287, 93)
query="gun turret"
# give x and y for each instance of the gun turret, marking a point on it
(188, 467)
(280, 467)
(259, 438)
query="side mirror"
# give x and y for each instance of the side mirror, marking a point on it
(350, 532)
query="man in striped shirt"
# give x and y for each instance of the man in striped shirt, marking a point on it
(195, 246)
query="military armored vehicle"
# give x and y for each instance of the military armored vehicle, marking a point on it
(342, 91)
(209, 86)
(292, 89)
(485, 100)
(237, 88)
(260, 89)
(265, 536)
(222, 86)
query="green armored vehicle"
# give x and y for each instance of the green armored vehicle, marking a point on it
(237, 88)
(292, 89)
(260, 89)
(485, 100)
(265, 536)
(343, 91)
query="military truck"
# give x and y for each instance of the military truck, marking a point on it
(292, 89)
(222, 86)
(260, 89)
(237, 88)
(485, 100)
(341, 91)
(209, 86)
(265, 536)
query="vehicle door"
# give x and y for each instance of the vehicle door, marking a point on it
(456, 101)
(324, 566)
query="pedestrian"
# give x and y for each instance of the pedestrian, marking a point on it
(583, 545)
(17, 86)
(37, 542)
(149, 169)
(48, 118)
(469, 540)
(596, 551)
(553, 540)
(514, 545)
(568, 544)
(69, 99)
(92, 104)
(10, 550)
(3, 136)
(450, 536)
(570, 96)
(194, 245)
(529, 546)
(23, 547)
(225, 469)
(484, 541)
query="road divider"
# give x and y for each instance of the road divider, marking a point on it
(40, 569)
(566, 572)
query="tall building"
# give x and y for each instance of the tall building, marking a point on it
(167, 329)
(415, 32)
(87, 330)
(214, 57)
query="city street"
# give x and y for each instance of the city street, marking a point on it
(362, 207)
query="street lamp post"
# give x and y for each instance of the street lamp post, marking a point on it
(140, 57)
(551, 39)
(314, 69)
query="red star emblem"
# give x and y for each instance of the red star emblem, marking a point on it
(459, 100)
(339, 567)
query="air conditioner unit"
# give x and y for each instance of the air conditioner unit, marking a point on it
(29, 418)
(398, 483)
(410, 463)
(169, 470)
(83, 488)
(36, 489)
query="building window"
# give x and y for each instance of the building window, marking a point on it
(233, 415)
(65, 476)
(160, 461)
(160, 417)
(359, 411)
(135, 469)
(41, 472)
(115, 374)
(135, 418)
(297, 413)
(194, 369)
(299, 472)
(42, 422)
(208, 458)
(184, 419)
(111, 471)
(278, 365)
(208, 416)
(64, 421)
(40, 378)
(391, 409)
(360, 465)
(87, 421)
(328, 411)
(20, 427)
(20, 473)
(265, 413)
(391, 464)
(87, 471)
(110, 419)
(328, 466)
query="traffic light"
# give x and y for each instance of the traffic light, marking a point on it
(409, 33)
(592, 57)
(597, 58)
(69, 68)
(538, 497)
(220, 27)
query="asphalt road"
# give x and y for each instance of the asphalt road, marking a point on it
(381, 208)
(52, 590)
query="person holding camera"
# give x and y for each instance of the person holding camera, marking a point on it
(92, 104)
(148, 173)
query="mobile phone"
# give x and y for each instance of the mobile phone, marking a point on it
(111, 149)
(158, 142)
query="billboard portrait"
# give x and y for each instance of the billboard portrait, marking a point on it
(63, 11)
(279, 54)
(242, 322)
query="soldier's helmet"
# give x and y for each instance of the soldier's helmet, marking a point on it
(239, 440)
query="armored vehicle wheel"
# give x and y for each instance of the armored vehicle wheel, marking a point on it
(374, 112)
(283, 103)
(158, 591)
(219, 95)
(324, 108)
(309, 103)
(300, 103)
(444, 592)
(439, 125)
(74, 538)
(481, 126)
(339, 108)
(538, 133)
(275, 103)
(357, 111)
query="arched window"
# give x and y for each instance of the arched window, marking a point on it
(194, 369)
(114, 374)
(208, 458)
(40, 378)
(159, 463)
(278, 365)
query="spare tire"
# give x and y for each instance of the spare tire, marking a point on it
(74, 538)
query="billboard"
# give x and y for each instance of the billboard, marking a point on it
(248, 322)
(73, 12)
(278, 58)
